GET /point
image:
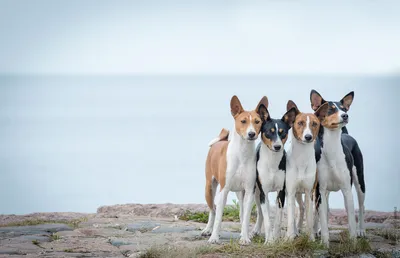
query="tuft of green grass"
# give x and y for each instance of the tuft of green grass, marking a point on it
(33, 222)
(55, 237)
(68, 251)
(37, 243)
(348, 246)
(231, 213)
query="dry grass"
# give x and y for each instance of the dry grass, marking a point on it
(302, 246)
(347, 246)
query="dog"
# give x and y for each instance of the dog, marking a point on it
(301, 165)
(339, 163)
(271, 169)
(232, 165)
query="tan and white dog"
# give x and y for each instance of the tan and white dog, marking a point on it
(232, 165)
(301, 165)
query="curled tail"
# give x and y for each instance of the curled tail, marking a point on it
(223, 136)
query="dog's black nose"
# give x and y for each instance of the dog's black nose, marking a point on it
(252, 134)
(277, 147)
(308, 137)
(345, 116)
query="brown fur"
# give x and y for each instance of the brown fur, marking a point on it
(316, 100)
(216, 162)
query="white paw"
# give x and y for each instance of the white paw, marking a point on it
(244, 241)
(268, 240)
(254, 233)
(213, 240)
(206, 232)
(361, 233)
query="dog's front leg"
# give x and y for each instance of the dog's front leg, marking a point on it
(280, 203)
(240, 196)
(290, 234)
(267, 218)
(248, 201)
(300, 221)
(349, 205)
(257, 227)
(214, 239)
(309, 215)
(323, 218)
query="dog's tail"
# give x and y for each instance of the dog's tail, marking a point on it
(223, 136)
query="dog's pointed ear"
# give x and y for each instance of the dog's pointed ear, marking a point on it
(236, 106)
(316, 100)
(322, 111)
(263, 112)
(347, 100)
(290, 104)
(264, 101)
(290, 116)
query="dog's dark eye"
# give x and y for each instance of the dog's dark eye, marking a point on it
(257, 121)
(314, 124)
(301, 123)
(243, 121)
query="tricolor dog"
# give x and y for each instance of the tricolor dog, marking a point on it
(339, 162)
(232, 165)
(271, 169)
(301, 166)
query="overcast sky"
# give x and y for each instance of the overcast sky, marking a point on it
(186, 37)
(75, 143)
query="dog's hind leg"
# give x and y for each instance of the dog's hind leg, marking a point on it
(361, 208)
(211, 188)
(214, 238)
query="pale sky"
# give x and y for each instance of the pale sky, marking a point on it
(202, 37)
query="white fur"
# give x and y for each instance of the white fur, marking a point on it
(214, 141)
(272, 180)
(300, 177)
(240, 176)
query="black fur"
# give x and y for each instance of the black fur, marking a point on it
(353, 154)
(272, 135)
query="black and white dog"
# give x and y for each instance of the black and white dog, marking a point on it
(339, 164)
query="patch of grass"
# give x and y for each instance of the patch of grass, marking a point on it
(300, 247)
(55, 237)
(347, 246)
(389, 234)
(37, 243)
(231, 213)
(68, 251)
(33, 222)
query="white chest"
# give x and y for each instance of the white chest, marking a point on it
(272, 178)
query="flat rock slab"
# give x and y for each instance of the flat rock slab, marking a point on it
(143, 226)
(35, 230)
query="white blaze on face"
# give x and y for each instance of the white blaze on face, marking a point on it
(307, 130)
(250, 128)
(278, 141)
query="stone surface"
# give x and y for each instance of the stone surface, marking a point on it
(128, 230)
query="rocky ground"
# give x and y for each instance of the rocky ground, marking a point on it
(129, 230)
